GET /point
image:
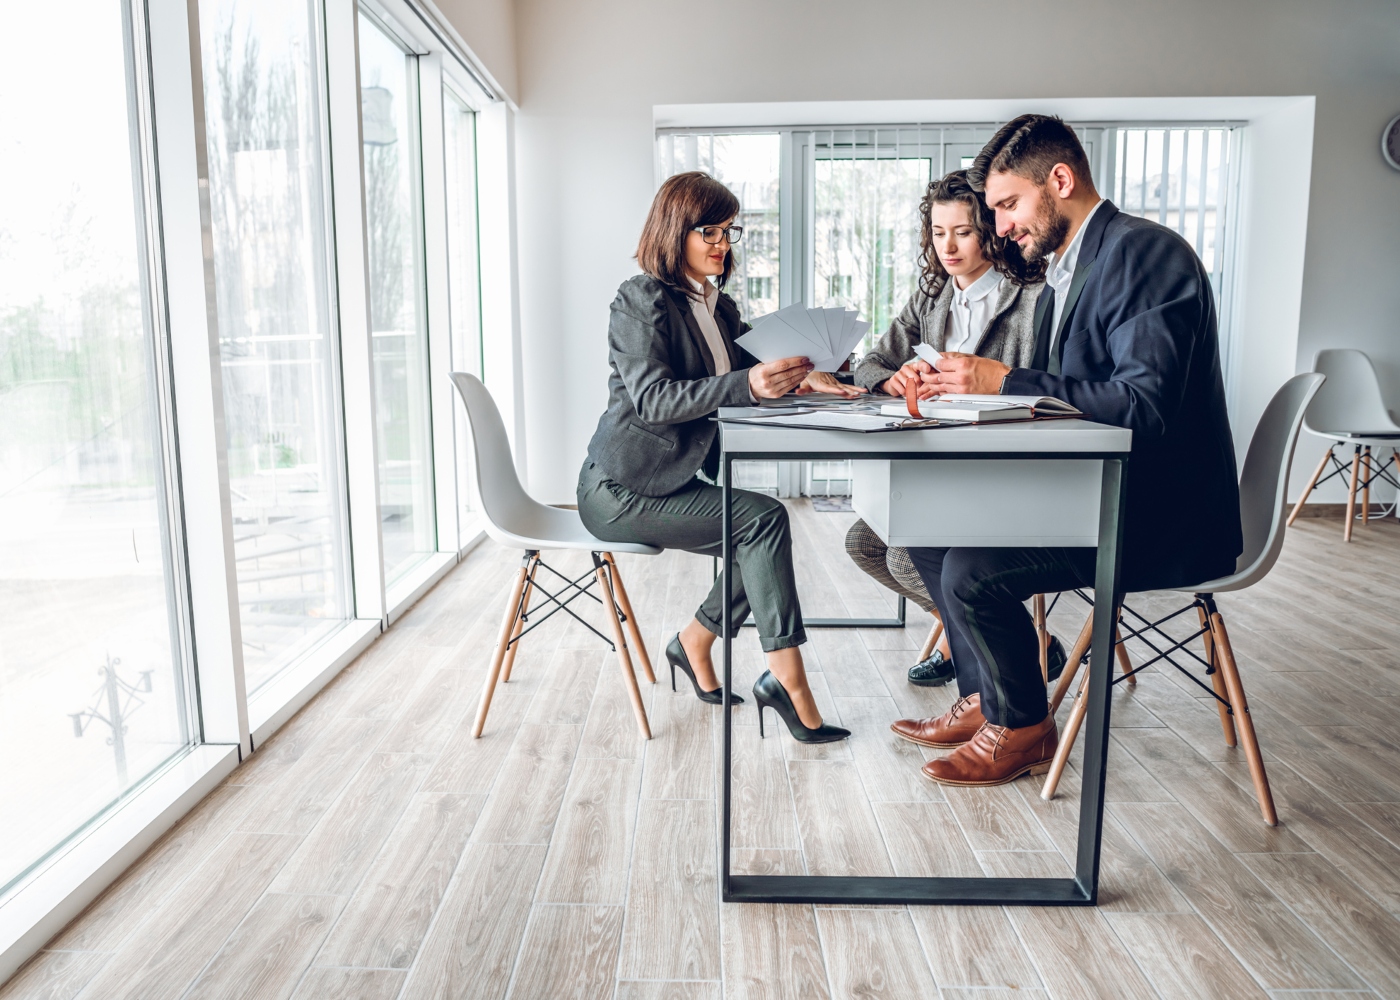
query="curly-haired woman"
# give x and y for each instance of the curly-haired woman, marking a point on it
(976, 294)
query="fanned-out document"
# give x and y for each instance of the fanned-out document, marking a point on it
(825, 337)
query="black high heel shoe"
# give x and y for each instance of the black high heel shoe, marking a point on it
(675, 655)
(769, 692)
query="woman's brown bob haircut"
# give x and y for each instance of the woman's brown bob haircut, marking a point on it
(1004, 254)
(684, 202)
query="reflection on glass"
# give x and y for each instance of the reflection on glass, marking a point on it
(267, 192)
(91, 689)
(393, 201)
(866, 235)
(748, 165)
(464, 282)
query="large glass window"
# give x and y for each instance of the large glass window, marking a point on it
(267, 191)
(1178, 177)
(748, 164)
(92, 684)
(394, 208)
(464, 281)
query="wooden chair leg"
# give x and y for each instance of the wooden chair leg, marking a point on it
(514, 647)
(1121, 652)
(1366, 485)
(507, 630)
(1351, 493)
(1081, 646)
(1243, 722)
(1217, 680)
(1307, 490)
(1076, 719)
(1042, 635)
(633, 628)
(629, 676)
(932, 639)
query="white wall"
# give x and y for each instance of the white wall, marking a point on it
(589, 75)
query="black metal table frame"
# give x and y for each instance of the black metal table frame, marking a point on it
(1083, 888)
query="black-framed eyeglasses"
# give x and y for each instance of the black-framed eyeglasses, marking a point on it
(713, 234)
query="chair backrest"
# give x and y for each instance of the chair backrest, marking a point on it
(1351, 402)
(1264, 482)
(503, 500)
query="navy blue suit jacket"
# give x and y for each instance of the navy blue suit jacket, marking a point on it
(1138, 349)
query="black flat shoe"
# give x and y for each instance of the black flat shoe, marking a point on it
(933, 672)
(675, 655)
(770, 693)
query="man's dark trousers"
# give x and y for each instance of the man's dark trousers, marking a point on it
(981, 595)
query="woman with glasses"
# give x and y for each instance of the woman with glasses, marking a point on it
(976, 294)
(674, 363)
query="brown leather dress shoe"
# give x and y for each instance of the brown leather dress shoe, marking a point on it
(997, 755)
(951, 729)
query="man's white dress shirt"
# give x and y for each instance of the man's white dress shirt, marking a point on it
(970, 312)
(704, 310)
(1061, 272)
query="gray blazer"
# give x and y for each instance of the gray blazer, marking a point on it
(656, 432)
(1009, 337)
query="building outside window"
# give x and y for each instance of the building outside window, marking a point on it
(93, 683)
(268, 194)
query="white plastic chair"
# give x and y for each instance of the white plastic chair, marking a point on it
(516, 520)
(1350, 410)
(1263, 495)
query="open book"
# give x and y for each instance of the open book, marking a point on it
(975, 409)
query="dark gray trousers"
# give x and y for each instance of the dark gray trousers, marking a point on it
(690, 519)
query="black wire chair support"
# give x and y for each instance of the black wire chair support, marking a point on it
(553, 598)
(1204, 602)
(1377, 469)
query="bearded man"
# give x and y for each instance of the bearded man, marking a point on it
(1126, 332)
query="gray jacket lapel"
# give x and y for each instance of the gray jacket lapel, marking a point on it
(935, 326)
(693, 325)
(1006, 298)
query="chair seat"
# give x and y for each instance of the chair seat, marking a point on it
(1381, 439)
(541, 527)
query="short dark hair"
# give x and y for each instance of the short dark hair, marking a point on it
(683, 202)
(1030, 146)
(1004, 254)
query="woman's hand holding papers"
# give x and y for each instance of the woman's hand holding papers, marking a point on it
(828, 383)
(778, 378)
(966, 373)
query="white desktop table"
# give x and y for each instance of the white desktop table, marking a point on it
(1042, 483)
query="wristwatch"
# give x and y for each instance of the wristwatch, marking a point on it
(1001, 389)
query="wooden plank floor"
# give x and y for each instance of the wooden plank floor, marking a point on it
(372, 850)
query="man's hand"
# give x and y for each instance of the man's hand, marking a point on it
(777, 378)
(968, 373)
(917, 369)
(829, 383)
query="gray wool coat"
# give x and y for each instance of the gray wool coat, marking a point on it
(1009, 337)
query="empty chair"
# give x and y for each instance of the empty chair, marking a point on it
(1263, 493)
(516, 520)
(1350, 410)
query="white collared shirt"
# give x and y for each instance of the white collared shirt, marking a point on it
(1060, 273)
(970, 312)
(704, 310)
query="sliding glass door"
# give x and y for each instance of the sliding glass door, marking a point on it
(394, 216)
(93, 683)
(264, 121)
